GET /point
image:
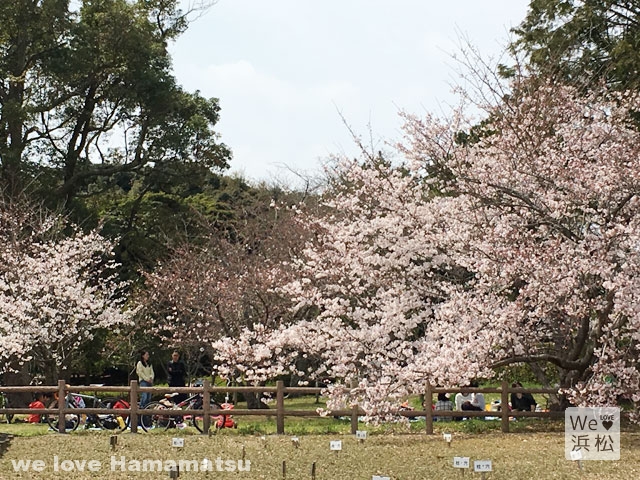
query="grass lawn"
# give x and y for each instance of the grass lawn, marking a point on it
(534, 450)
(398, 456)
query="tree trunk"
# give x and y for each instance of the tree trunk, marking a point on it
(13, 120)
(20, 377)
(51, 372)
(254, 401)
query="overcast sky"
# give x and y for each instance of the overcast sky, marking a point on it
(286, 70)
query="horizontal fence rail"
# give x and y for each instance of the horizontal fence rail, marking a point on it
(133, 390)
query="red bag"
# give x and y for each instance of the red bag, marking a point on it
(121, 403)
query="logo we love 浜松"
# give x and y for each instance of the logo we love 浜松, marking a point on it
(594, 432)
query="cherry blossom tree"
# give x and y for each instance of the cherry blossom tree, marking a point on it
(506, 241)
(56, 291)
(220, 297)
(225, 282)
(543, 211)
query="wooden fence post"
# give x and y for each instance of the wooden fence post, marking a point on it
(354, 419)
(280, 407)
(428, 400)
(62, 403)
(504, 406)
(133, 404)
(206, 406)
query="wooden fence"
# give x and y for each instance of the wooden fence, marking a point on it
(131, 394)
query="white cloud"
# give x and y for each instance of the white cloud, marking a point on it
(282, 70)
(242, 80)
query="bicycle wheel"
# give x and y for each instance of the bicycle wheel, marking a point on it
(4, 403)
(72, 420)
(216, 420)
(116, 420)
(155, 419)
(92, 421)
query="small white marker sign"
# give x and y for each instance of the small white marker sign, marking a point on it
(361, 434)
(447, 437)
(177, 442)
(460, 462)
(378, 477)
(482, 466)
(335, 445)
(576, 455)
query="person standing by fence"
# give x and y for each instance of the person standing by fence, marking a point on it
(144, 369)
(177, 371)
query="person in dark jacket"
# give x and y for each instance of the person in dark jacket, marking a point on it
(177, 371)
(523, 402)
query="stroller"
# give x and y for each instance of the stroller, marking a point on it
(225, 420)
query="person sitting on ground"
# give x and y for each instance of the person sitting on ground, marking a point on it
(40, 399)
(443, 404)
(462, 398)
(522, 402)
(470, 401)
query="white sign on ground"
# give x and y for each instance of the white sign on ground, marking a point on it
(177, 442)
(460, 462)
(576, 455)
(335, 445)
(482, 466)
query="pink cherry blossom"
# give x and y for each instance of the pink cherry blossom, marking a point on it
(55, 291)
(518, 246)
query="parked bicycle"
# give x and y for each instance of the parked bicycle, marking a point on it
(193, 402)
(108, 421)
(117, 420)
(4, 403)
(71, 420)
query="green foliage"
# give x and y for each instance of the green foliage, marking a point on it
(476, 425)
(94, 91)
(152, 215)
(583, 41)
(525, 374)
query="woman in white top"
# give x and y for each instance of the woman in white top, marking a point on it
(463, 399)
(145, 377)
(470, 401)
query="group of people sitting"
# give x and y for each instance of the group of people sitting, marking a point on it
(468, 401)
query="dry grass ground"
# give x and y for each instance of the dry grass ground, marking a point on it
(531, 456)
